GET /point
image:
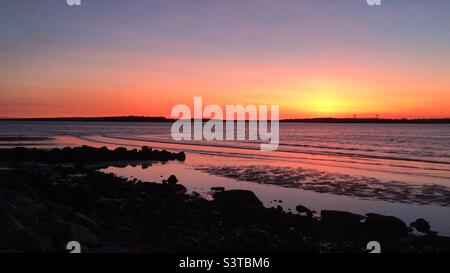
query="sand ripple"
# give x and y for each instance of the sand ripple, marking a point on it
(335, 183)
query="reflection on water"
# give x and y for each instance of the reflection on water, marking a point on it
(336, 183)
(202, 182)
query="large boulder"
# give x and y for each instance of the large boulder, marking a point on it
(340, 217)
(24, 216)
(83, 220)
(342, 222)
(241, 206)
(237, 199)
(14, 237)
(381, 226)
(62, 232)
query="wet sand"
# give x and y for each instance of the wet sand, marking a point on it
(336, 183)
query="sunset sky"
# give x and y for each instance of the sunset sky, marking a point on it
(315, 58)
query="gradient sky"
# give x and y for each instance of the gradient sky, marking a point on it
(314, 58)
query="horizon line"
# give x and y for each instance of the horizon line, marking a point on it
(162, 118)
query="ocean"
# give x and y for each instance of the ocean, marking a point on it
(393, 169)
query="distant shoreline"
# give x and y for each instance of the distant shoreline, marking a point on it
(308, 120)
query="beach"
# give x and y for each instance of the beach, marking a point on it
(52, 197)
(300, 184)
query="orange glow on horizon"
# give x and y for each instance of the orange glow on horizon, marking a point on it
(152, 85)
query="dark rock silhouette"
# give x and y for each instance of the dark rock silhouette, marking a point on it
(237, 199)
(381, 226)
(172, 180)
(421, 225)
(43, 206)
(62, 232)
(335, 217)
(302, 209)
(342, 222)
(218, 188)
(14, 236)
(87, 154)
(239, 206)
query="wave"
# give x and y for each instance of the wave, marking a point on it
(311, 152)
(281, 156)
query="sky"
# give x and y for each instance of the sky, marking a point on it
(314, 58)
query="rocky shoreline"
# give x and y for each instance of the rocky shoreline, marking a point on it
(51, 197)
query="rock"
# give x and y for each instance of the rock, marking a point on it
(201, 204)
(109, 207)
(304, 210)
(341, 222)
(421, 225)
(237, 199)
(25, 218)
(80, 197)
(385, 226)
(181, 156)
(87, 154)
(172, 180)
(14, 237)
(121, 150)
(214, 244)
(28, 241)
(21, 201)
(258, 238)
(180, 189)
(62, 232)
(155, 236)
(84, 220)
(340, 217)
(195, 195)
(26, 188)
